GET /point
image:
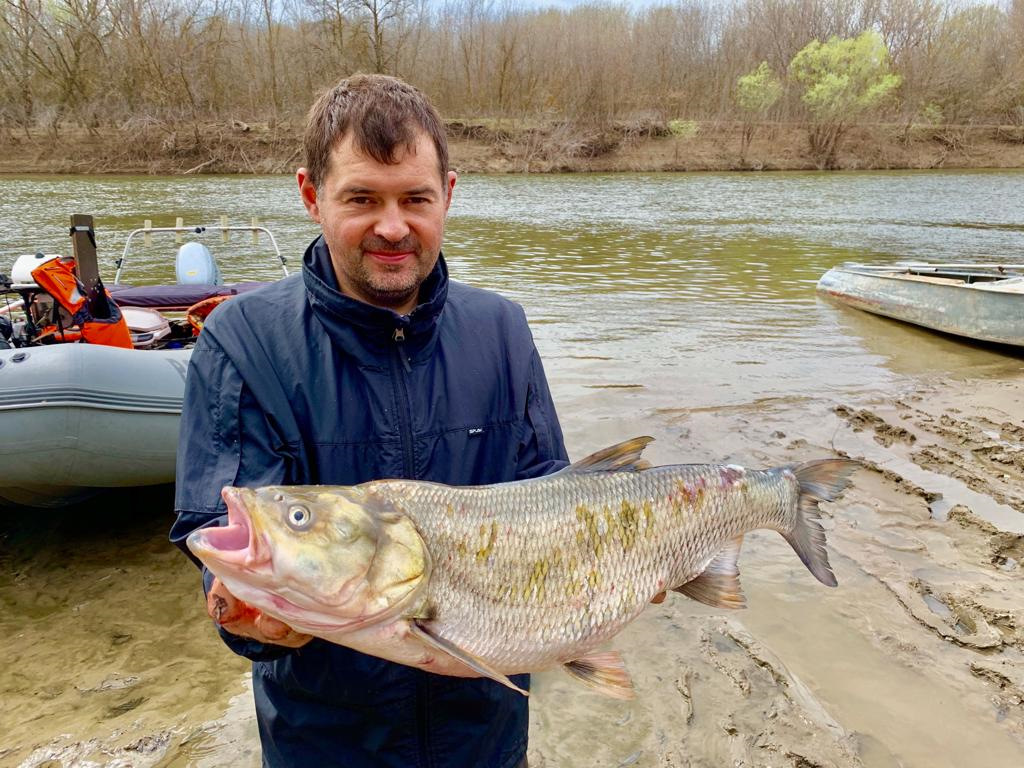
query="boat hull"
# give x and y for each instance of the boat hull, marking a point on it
(77, 418)
(975, 311)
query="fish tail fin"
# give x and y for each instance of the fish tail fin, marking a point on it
(819, 481)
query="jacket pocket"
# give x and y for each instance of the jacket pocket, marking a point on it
(470, 454)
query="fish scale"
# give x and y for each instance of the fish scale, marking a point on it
(596, 573)
(515, 577)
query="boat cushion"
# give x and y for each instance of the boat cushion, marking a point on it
(174, 296)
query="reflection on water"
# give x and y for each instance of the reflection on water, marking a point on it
(910, 350)
(664, 304)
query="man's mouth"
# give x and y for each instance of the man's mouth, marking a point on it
(390, 257)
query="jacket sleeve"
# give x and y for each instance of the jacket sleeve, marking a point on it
(542, 449)
(224, 439)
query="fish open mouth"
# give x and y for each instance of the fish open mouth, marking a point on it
(236, 542)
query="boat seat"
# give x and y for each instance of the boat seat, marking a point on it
(171, 297)
(147, 326)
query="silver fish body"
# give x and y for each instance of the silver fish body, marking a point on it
(519, 577)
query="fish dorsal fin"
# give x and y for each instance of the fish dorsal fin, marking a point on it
(622, 457)
(431, 638)
(604, 672)
(719, 584)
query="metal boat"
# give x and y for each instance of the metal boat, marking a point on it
(984, 302)
(76, 417)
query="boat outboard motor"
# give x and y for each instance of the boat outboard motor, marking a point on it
(195, 265)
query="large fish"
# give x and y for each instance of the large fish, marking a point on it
(515, 577)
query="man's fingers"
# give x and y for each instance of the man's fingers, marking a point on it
(274, 631)
(222, 606)
(271, 628)
(242, 619)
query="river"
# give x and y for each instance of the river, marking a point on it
(676, 305)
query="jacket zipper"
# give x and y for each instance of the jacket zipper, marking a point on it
(405, 407)
(405, 430)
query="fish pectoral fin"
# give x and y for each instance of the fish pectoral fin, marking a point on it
(621, 457)
(719, 584)
(604, 672)
(473, 662)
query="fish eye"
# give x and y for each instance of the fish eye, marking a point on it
(299, 517)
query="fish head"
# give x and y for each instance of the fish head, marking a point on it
(321, 559)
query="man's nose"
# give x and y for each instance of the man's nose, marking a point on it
(391, 224)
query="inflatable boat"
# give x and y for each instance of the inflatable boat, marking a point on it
(77, 413)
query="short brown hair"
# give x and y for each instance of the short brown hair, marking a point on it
(383, 113)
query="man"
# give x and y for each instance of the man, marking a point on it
(370, 364)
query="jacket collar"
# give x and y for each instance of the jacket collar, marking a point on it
(348, 320)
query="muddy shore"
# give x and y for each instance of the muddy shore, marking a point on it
(509, 147)
(915, 660)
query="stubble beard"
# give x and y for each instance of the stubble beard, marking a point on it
(391, 285)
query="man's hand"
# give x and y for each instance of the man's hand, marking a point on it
(243, 620)
(658, 598)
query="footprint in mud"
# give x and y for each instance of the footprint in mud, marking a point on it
(1008, 551)
(969, 471)
(1007, 680)
(950, 616)
(885, 433)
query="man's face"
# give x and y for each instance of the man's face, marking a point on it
(383, 224)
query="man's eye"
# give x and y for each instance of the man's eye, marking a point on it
(360, 200)
(419, 200)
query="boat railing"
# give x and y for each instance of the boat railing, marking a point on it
(180, 229)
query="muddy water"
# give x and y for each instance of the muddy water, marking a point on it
(676, 306)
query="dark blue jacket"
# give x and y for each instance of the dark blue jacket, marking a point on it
(297, 383)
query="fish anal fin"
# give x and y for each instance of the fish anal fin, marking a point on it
(621, 457)
(605, 672)
(432, 639)
(719, 584)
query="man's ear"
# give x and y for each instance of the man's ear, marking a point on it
(449, 187)
(307, 191)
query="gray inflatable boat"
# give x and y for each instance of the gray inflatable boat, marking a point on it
(76, 418)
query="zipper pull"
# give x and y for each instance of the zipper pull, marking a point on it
(399, 337)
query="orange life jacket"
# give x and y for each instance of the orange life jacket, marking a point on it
(198, 312)
(57, 278)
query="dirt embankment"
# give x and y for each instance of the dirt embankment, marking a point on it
(488, 147)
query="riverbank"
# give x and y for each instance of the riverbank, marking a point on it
(506, 147)
(915, 660)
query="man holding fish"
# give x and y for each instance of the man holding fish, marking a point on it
(416, 544)
(370, 364)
